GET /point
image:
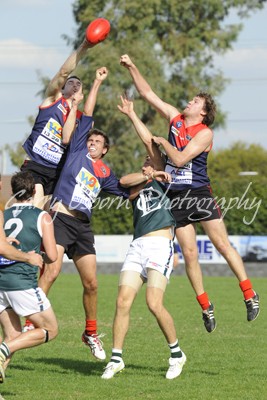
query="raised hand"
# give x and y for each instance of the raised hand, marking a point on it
(125, 61)
(101, 73)
(126, 106)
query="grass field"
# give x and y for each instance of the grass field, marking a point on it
(230, 363)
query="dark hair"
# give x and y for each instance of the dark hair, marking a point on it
(95, 131)
(209, 108)
(71, 77)
(22, 184)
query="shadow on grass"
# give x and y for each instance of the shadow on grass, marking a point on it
(94, 367)
(6, 393)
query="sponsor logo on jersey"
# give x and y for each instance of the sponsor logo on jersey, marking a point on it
(51, 147)
(62, 109)
(53, 132)
(179, 124)
(188, 137)
(175, 131)
(88, 182)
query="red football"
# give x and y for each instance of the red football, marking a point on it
(97, 30)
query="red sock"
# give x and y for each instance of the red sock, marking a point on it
(90, 327)
(246, 288)
(203, 300)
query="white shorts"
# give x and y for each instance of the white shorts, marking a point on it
(24, 302)
(155, 252)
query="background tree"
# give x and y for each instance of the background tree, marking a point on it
(224, 168)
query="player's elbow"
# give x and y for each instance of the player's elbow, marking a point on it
(65, 141)
(63, 72)
(180, 161)
(145, 92)
(123, 183)
(51, 256)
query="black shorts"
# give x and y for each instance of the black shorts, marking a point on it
(74, 234)
(193, 205)
(46, 176)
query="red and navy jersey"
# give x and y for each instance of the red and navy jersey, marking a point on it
(44, 145)
(82, 178)
(194, 173)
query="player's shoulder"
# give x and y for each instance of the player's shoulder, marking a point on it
(103, 169)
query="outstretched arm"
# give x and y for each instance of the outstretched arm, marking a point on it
(101, 74)
(165, 109)
(137, 181)
(145, 135)
(70, 123)
(137, 178)
(53, 91)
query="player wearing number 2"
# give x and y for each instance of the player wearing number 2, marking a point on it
(19, 291)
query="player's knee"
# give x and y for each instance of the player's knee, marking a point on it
(50, 333)
(51, 272)
(154, 305)
(223, 247)
(53, 333)
(90, 285)
(190, 254)
(123, 303)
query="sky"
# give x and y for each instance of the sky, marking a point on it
(31, 42)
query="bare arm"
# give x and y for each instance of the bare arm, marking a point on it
(11, 253)
(101, 74)
(53, 91)
(49, 241)
(201, 142)
(133, 179)
(89, 106)
(139, 177)
(165, 109)
(137, 181)
(143, 132)
(70, 123)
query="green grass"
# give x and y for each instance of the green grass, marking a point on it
(228, 364)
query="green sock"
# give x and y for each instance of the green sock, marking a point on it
(175, 350)
(116, 355)
(4, 349)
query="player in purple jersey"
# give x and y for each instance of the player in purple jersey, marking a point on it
(187, 148)
(82, 178)
(47, 142)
